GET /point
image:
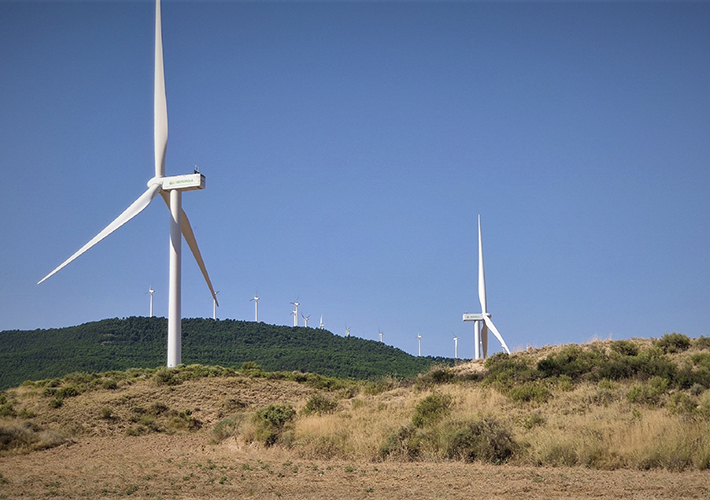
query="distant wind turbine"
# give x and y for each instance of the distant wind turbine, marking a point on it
(214, 306)
(151, 292)
(170, 189)
(381, 334)
(305, 319)
(256, 306)
(295, 312)
(321, 325)
(484, 319)
(347, 331)
(419, 339)
(456, 347)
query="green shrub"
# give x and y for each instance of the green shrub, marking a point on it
(681, 403)
(431, 409)
(227, 428)
(648, 393)
(530, 391)
(270, 422)
(673, 342)
(625, 348)
(110, 384)
(167, 376)
(533, 420)
(505, 371)
(702, 343)
(404, 443)
(106, 413)
(27, 437)
(572, 361)
(320, 405)
(486, 440)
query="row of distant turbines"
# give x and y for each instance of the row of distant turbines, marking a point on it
(170, 189)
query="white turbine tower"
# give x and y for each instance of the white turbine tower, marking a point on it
(170, 189)
(456, 347)
(305, 319)
(381, 334)
(347, 331)
(419, 339)
(151, 292)
(480, 339)
(256, 306)
(214, 305)
(321, 325)
(295, 312)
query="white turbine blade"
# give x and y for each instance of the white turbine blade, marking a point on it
(491, 327)
(192, 243)
(481, 275)
(160, 109)
(135, 208)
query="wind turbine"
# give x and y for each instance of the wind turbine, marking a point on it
(256, 306)
(456, 347)
(295, 312)
(381, 334)
(321, 326)
(480, 339)
(347, 331)
(151, 292)
(305, 319)
(419, 339)
(214, 305)
(170, 189)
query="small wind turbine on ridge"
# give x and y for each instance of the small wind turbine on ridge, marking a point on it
(151, 292)
(480, 339)
(305, 319)
(419, 339)
(256, 306)
(295, 312)
(321, 326)
(170, 189)
(347, 331)
(214, 306)
(381, 334)
(456, 347)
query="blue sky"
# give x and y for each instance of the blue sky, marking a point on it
(348, 148)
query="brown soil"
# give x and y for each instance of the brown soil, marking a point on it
(188, 466)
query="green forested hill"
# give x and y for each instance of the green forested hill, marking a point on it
(137, 342)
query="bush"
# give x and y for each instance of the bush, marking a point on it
(167, 376)
(625, 348)
(431, 409)
(648, 393)
(530, 391)
(270, 422)
(404, 443)
(702, 343)
(26, 438)
(320, 405)
(505, 371)
(572, 361)
(486, 440)
(227, 428)
(673, 342)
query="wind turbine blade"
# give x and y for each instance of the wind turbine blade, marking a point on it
(135, 208)
(160, 106)
(481, 275)
(491, 327)
(192, 243)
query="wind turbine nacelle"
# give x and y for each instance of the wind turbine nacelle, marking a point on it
(473, 317)
(188, 182)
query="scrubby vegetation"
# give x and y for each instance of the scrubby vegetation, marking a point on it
(627, 404)
(120, 344)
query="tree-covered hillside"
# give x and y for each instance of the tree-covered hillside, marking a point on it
(137, 342)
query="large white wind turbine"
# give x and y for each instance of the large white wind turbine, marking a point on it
(456, 347)
(484, 319)
(214, 305)
(256, 306)
(419, 338)
(170, 189)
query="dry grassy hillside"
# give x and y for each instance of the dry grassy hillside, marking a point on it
(199, 431)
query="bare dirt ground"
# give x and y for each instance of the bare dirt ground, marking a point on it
(188, 466)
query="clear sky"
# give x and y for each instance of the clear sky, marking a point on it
(348, 148)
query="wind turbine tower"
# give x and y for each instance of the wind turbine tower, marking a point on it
(381, 334)
(456, 347)
(170, 189)
(347, 331)
(305, 320)
(151, 292)
(214, 306)
(419, 339)
(256, 306)
(321, 326)
(482, 322)
(295, 312)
